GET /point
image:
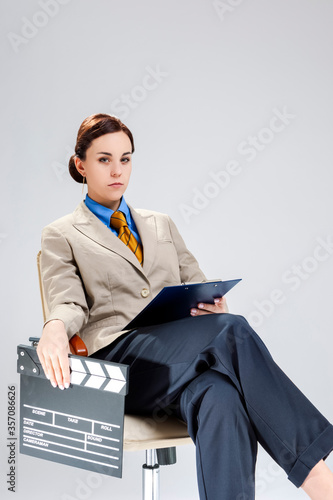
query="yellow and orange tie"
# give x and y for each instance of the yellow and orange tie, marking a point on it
(118, 222)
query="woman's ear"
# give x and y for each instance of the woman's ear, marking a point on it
(79, 166)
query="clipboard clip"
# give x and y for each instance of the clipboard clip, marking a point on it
(186, 283)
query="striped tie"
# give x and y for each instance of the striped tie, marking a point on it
(118, 222)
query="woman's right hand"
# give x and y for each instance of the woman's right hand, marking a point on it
(52, 350)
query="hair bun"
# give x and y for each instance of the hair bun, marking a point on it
(73, 170)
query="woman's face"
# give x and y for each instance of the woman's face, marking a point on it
(107, 168)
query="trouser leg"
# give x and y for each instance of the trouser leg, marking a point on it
(164, 359)
(226, 444)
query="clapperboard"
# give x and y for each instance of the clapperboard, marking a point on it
(81, 426)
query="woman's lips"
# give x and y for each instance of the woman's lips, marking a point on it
(115, 184)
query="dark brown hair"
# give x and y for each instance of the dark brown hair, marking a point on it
(92, 127)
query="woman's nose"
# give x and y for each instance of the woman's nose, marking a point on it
(115, 169)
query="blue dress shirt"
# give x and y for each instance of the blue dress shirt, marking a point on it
(104, 215)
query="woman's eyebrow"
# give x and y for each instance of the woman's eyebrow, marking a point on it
(109, 154)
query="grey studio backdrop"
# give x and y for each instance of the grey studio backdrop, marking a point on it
(230, 104)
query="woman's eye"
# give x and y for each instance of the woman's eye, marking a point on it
(107, 160)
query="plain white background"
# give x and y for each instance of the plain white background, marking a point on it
(199, 85)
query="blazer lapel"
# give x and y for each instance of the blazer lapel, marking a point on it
(146, 227)
(90, 225)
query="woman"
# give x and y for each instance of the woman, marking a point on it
(102, 264)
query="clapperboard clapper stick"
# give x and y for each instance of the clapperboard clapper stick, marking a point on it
(81, 426)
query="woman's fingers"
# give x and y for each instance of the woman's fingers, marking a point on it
(203, 308)
(219, 306)
(64, 366)
(56, 369)
(58, 374)
(222, 304)
(49, 372)
(52, 350)
(43, 363)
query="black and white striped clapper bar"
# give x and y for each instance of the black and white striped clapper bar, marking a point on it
(81, 426)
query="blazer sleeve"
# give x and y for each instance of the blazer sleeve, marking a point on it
(63, 287)
(189, 269)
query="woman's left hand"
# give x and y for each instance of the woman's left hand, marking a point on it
(219, 306)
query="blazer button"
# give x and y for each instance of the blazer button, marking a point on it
(144, 292)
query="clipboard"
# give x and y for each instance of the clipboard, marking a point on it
(174, 302)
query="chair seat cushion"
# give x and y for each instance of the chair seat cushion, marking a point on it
(143, 432)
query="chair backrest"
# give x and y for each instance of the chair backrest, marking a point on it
(41, 288)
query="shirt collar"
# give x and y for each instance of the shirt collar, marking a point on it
(104, 213)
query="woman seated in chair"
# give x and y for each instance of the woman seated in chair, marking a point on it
(102, 264)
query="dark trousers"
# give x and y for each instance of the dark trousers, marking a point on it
(216, 374)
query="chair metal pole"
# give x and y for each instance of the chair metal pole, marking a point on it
(151, 477)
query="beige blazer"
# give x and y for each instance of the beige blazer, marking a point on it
(95, 284)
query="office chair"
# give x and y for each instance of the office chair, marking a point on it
(158, 439)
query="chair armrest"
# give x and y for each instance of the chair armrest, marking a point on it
(77, 346)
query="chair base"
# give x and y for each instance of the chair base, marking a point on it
(151, 477)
